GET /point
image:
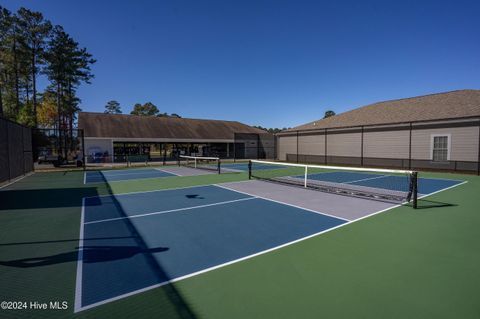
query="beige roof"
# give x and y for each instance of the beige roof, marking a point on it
(134, 126)
(454, 104)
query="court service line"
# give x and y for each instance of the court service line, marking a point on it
(78, 309)
(170, 211)
(128, 179)
(279, 202)
(441, 190)
(364, 179)
(132, 172)
(79, 280)
(162, 170)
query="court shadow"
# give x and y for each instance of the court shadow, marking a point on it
(61, 241)
(44, 198)
(101, 255)
(92, 254)
(427, 204)
(174, 298)
(196, 196)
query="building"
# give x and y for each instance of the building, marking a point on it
(437, 131)
(113, 137)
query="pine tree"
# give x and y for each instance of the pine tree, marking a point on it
(113, 107)
(67, 67)
(35, 30)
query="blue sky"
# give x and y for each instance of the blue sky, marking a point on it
(270, 63)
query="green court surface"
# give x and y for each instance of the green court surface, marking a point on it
(403, 263)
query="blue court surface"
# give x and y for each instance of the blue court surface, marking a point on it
(244, 166)
(388, 182)
(122, 175)
(138, 241)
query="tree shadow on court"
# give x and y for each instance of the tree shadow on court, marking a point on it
(114, 245)
(95, 254)
(61, 241)
(182, 309)
(44, 198)
(428, 204)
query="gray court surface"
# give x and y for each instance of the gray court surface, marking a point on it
(350, 208)
(186, 171)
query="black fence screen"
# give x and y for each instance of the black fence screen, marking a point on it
(53, 147)
(16, 157)
(254, 146)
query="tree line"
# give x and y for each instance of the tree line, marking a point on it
(31, 46)
(328, 113)
(146, 109)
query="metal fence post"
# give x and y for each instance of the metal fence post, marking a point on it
(297, 148)
(83, 151)
(361, 152)
(326, 146)
(8, 153)
(410, 148)
(478, 160)
(23, 152)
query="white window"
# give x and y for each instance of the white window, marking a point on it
(440, 148)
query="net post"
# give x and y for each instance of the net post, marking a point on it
(249, 169)
(306, 174)
(178, 161)
(218, 165)
(415, 189)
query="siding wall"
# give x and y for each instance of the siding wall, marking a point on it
(344, 144)
(393, 144)
(464, 143)
(286, 145)
(311, 144)
(385, 144)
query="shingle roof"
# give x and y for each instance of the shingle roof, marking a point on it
(134, 126)
(454, 104)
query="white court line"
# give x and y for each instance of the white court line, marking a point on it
(279, 202)
(169, 211)
(443, 189)
(161, 170)
(440, 179)
(219, 266)
(130, 172)
(128, 180)
(364, 179)
(78, 309)
(79, 281)
(16, 180)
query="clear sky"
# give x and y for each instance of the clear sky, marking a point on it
(270, 63)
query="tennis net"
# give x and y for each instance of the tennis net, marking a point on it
(398, 186)
(200, 162)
